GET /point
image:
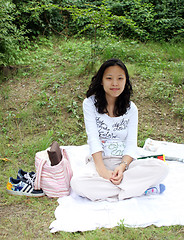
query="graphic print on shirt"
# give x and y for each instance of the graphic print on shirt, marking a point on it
(104, 131)
(116, 148)
(112, 146)
(118, 126)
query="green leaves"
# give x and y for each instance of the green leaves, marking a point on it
(137, 19)
(10, 35)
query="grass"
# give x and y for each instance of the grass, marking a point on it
(42, 102)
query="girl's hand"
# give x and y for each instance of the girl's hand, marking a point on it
(107, 174)
(100, 167)
(117, 175)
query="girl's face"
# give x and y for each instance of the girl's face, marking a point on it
(113, 81)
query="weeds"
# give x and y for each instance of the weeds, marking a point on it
(162, 91)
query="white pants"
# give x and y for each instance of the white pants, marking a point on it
(141, 175)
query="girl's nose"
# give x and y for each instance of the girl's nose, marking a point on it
(114, 82)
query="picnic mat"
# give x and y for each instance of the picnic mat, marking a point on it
(75, 213)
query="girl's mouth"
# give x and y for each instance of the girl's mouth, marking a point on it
(114, 89)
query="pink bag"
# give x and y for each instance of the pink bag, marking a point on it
(53, 180)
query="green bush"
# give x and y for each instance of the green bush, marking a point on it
(168, 19)
(137, 19)
(140, 19)
(157, 19)
(10, 35)
(142, 14)
(31, 15)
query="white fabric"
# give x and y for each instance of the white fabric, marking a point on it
(141, 175)
(115, 136)
(172, 151)
(75, 213)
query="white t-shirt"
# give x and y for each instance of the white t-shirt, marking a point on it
(114, 136)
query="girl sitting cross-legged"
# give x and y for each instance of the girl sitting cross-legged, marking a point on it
(111, 121)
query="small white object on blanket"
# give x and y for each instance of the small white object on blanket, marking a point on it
(75, 213)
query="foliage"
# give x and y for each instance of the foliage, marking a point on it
(139, 12)
(10, 35)
(42, 19)
(158, 20)
(99, 22)
(145, 19)
(137, 19)
(168, 20)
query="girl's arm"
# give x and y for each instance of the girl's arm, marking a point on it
(89, 112)
(131, 139)
(100, 167)
(94, 142)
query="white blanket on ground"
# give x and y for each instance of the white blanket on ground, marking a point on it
(75, 213)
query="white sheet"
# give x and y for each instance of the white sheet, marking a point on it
(75, 213)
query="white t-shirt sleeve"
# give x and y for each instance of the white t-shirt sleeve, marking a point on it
(89, 110)
(131, 139)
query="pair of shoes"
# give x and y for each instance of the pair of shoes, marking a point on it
(155, 190)
(23, 185)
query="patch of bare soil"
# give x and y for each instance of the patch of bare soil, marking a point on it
(18, 93)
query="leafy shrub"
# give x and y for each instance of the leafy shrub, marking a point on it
(168, 20)
(142, 19)
(142, 14)
(30, 14)
(10, 35)
(137, 19)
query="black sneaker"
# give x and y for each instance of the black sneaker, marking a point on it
(26, 175)
(23, 187)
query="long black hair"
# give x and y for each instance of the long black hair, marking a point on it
(96, 89)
